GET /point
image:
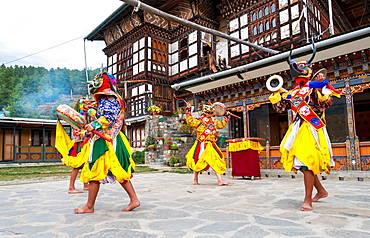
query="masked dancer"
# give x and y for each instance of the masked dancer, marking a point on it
(205, 153)
(107, 162)
(306, 145)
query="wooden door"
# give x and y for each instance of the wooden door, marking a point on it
(9, 139)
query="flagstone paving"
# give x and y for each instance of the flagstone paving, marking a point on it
(171, 206)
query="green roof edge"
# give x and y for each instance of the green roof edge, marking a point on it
(112, 16)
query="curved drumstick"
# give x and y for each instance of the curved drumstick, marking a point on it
(180, 99)
(231, 114)
(101, 135)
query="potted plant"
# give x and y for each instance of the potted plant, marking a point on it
(167, 143)
(151, 147)
(154, 109)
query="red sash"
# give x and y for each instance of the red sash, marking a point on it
(301, 107)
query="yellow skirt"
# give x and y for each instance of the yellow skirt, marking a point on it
(108, 163)
(211, 156)
(64, 144)
(313, 153)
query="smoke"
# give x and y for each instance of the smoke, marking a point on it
(38, 94)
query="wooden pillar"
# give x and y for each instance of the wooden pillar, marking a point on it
(14, 149)
(269, 162)
(357, 153)
(245, 120)
(350, 143)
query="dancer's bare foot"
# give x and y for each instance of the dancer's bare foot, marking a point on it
(73, 191)
(83, 209)
(306, 207)
(131, 206)
(86, 186)
(196, 182)
(223, 183)
(320, 195)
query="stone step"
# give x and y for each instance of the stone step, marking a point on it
(157, 163)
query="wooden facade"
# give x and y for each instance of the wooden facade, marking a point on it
(148, 54)
(27, 140)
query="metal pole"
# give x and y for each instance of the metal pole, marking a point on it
(139, 5)
(306, 22)
(86, 74)
(331, 18)
(243, 68)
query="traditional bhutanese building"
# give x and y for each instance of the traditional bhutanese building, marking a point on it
(148, 54)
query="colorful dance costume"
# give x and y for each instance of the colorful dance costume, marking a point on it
(68, 148)
(106, 161)
(205, 152)
(306, 144)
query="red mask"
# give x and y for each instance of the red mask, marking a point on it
(106, 83)
(300, 81)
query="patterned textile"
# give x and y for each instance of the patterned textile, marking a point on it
(209, 156)
(303, 145)
(108, 162)
(110, 113)
(205, 151)
(68, 148)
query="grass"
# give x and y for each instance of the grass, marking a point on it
(179, 171)
(32, 172)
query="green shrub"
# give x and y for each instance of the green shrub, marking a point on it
(150, 140)
(174, 147)
(178, 139)
(173, 160)
(185, 129)
(139, 157)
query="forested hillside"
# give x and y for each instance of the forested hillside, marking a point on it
(35, 92)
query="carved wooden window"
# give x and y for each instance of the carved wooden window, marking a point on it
(183, 54)
(254, 16)
(267, 25)
(38, 139)
(272, 8)
(184, 43)
(184, 49)
(137, 136)
(159, 56)
(254, 30)
(125, 63)
(273, 22)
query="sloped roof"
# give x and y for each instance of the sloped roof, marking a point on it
(18, 120)
(97, 33)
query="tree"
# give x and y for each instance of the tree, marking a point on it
(35, 92)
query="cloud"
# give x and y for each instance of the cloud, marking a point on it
(28, 27)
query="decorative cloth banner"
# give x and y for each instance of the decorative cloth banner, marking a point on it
(244, 145)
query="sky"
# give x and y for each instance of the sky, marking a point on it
(56, 28)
